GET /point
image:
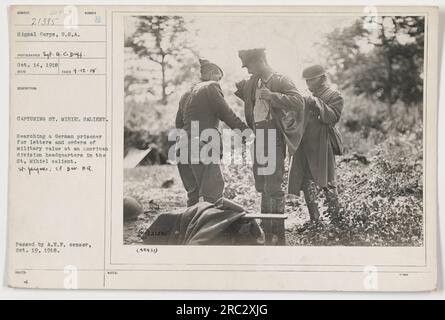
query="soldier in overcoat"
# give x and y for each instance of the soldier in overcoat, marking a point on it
(274, 106)
(313, 164)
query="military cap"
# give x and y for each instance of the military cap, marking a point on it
(248, 55)
(313, 72)
(206, 66)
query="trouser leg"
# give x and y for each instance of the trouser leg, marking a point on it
(269, 183)
(190, 184)
(273, 227)
(266, 224)
(310, 196)
(273, 189)
(278, 228)
(210, 181)
(269, 157)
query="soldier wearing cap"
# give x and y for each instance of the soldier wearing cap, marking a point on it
(313, 164)
(271, 103)
(204, 106)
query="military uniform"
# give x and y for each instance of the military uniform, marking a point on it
(313, 164)
(285, 98)
(203, 104)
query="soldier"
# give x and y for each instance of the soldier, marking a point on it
(269, 98)
(313, 164)
(204, 106)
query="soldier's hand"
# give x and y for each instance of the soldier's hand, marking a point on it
(310, 101)
(312, 104)
(265, 94)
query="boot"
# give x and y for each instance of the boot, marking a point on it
(310, 197)
(278, 228)
(266, 224)
(333, 204)
(314, 214)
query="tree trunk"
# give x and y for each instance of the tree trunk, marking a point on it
(164, 81)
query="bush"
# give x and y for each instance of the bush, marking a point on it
(381, 194)
(382, 203)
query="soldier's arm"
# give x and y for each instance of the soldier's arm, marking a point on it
(288, 97)
(330, 112)
(222, 109)
(240, 89)
(179, 115)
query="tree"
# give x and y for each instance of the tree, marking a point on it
(164, 41)
(382, 59)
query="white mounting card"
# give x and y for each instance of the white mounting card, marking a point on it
(319, 123)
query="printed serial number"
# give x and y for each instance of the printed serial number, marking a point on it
(147, 250)
(43, 21)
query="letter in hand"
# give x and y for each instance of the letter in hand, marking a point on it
(265, 94)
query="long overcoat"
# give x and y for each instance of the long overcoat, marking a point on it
(315, 149)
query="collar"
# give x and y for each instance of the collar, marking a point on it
(320, 90)
(261, 81)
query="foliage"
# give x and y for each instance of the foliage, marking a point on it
(164, 42)
(147, 124)
(381, 202)
(382, 59)
(240, 185)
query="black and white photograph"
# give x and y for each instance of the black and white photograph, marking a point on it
(276, 131)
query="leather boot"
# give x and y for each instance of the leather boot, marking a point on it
(314, 214)
(310, 197)
(278, 228)
(333, 204)
(266, 224)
